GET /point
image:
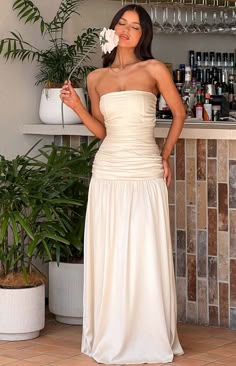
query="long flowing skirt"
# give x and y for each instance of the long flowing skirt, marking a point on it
(129, 289)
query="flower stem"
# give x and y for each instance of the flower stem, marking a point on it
(69, 77)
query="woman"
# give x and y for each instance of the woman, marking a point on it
(129, 288)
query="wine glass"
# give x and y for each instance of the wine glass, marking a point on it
(193, 27)
(179, 26)
(204, 27)
(166, 25)
(157, 27)
(221, 24)
(214, 25)
(232, 24)
(186, 20)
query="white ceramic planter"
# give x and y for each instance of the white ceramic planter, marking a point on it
(66, 292)
(50, 107)
(22, 313)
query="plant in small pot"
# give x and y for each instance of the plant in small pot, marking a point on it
(66, 261)
(36, 207)
(57, 61)
(66, 270)
(22, 304)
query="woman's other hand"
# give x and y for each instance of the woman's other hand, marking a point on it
(167, 172)
(69, 96)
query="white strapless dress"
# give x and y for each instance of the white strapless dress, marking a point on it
(129, 284)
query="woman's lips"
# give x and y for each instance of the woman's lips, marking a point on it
(123, 36)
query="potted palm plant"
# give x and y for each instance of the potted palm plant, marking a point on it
(66, 269)
(39, 215)
(58, 60)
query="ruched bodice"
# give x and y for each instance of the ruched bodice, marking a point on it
(129, 150)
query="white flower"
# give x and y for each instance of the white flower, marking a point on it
(108, 40)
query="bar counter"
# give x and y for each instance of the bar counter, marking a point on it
(202, 203)
(209, 130)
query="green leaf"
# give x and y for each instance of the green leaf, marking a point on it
(3, 229)
(47, 250)
(23, 222)
(1, 46)
(42, 26)
(27, 12)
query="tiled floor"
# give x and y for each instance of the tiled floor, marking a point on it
(59, 345)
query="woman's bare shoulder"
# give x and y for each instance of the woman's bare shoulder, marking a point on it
(156, 64)
(95, 75)
(157, 69)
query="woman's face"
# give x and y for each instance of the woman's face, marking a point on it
(129, 29)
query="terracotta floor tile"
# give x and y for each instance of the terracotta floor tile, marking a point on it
(47, 349)
(74, 362)
(60, 345)
(210, 357)
(21, 363)
(43, 359)
(19, 354)
(6, 360)
(15, 345)
(190, 362)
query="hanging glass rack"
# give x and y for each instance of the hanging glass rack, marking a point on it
(203, 4)
(190, 16)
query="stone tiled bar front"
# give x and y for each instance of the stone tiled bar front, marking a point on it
(202, 202)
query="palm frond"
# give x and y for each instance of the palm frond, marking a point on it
(29, 12)
(66, 9)
(17, 48)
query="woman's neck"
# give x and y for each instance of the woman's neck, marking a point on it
(124, 58)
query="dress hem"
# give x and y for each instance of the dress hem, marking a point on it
(123, 363)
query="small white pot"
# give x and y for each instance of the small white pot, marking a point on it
(50, 107)
(66, 292)
(22, 313)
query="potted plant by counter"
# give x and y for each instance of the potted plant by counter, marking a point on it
(57, 61)
(37, 205)
(66, 269)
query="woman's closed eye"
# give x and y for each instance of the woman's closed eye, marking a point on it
(133, 26)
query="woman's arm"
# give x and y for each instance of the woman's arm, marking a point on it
(168, 90)
(94, 121)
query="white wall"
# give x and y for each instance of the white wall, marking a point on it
(19, 97)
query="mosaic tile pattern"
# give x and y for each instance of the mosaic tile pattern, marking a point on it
(205, 198)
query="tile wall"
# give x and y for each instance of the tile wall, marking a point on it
(202, 201)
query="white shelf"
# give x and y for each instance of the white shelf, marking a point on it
(56, 130)
(191, 130)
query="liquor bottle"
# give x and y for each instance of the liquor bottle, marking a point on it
(188, 92)
(207, 77)
(225, 89)
(207, 109)
(199, 106)
(212, 59)
(225, 59)
(191, 58)
(205, 59)
(231, 90)
(179, 80)
(215, 75)
(219, 83)
(199, 59)
(164, 111)
(218, 59)
(231, 63)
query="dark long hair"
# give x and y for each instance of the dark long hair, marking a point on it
(143, 49)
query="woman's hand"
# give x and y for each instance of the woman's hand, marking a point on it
(167, 172)
(69, 96)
